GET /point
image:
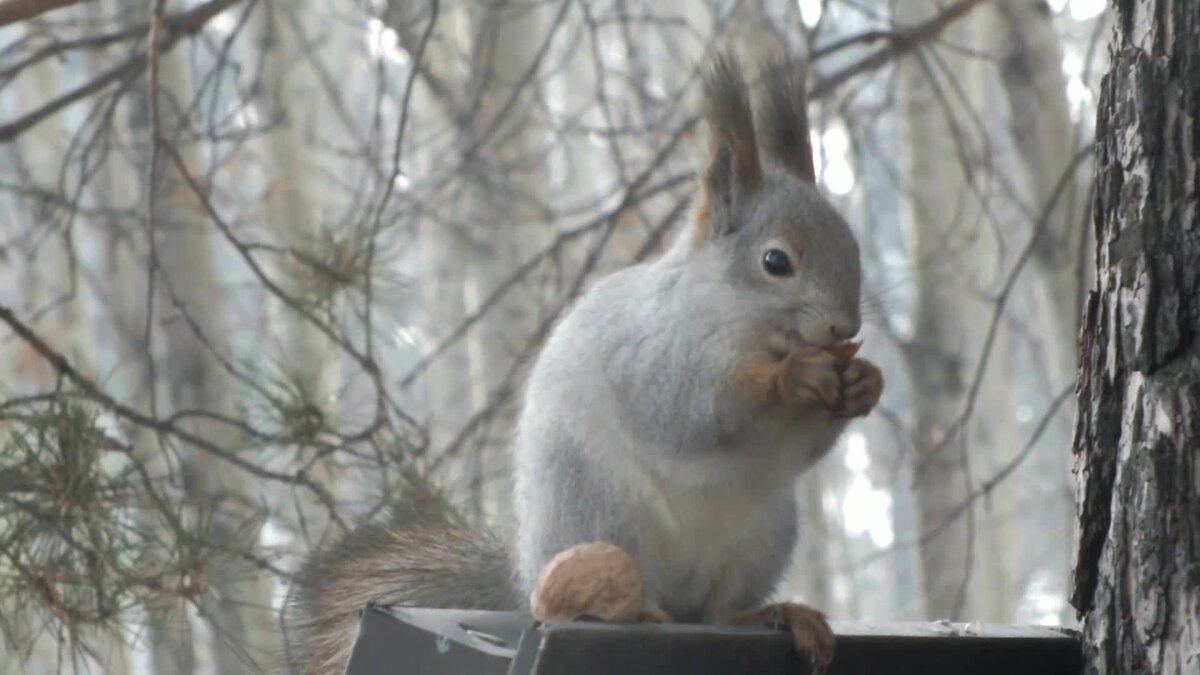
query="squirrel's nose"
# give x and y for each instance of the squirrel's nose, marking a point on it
(843, 328)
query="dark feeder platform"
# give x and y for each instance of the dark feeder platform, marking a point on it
(414, 641)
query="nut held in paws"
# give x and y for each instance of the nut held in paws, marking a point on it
(844, 352)
(597, 579)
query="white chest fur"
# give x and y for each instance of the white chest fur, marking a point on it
(693, 524)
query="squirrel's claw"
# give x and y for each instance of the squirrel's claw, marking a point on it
(810, 632)
(862, 385)
(810, 377)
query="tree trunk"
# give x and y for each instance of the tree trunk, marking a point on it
(960, 434)
(497, 219)
(190, 324)
(1138, 425)
(1048, 142)
(295, 208)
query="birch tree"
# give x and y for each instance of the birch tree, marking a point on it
(186, 326)
(490, 65)
(1054, 182)
(957, 369)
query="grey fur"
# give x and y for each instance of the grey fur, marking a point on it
(632, 432)
(734, 171)
(783, 117)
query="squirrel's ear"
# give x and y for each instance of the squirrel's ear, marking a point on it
(733, 173)
(783, 117)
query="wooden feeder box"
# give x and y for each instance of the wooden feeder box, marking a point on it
(416, 641)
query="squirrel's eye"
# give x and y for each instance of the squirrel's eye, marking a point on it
(777, 263)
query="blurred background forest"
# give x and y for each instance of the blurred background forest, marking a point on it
(268, 267)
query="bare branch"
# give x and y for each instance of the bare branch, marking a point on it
(12, 11)
(176, 27)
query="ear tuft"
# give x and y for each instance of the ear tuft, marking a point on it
(734, 171)
(731, 121)
(783, 117)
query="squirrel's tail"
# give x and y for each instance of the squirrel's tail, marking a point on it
(429, 563)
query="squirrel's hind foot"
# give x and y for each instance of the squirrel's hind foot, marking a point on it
(810, 632)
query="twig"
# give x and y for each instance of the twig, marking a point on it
(901, 42)
(23, 10)
(69, 372)
(931, 532)
(154, 36)
(397, 157)
(176, 27)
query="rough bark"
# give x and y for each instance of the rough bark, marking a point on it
(1138, 425)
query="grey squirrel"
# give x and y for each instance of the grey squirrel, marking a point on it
(669, 412)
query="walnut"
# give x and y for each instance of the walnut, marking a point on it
(596, 579)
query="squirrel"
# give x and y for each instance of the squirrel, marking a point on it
(669, 411)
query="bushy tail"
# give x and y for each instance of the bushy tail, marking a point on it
(428, 563)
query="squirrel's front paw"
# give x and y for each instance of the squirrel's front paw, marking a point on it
(810, 632)
(810, 377)
(862, 385)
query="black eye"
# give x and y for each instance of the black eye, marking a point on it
(777, 263)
